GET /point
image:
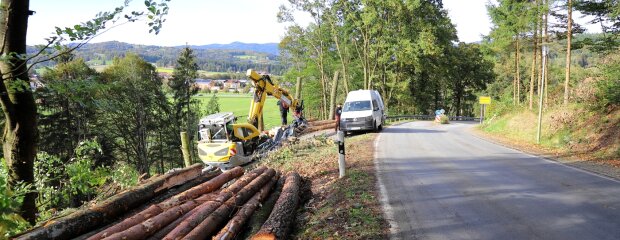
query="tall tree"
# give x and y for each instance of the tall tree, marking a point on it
(18, 105)
(68, 104)
(471, 73)
(605, 13)
(183, 88)
(511, 19)
(137, 102)
(20, 112)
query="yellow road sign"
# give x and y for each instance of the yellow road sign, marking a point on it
(485, 100)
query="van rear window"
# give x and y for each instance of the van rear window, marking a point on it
(356, 106)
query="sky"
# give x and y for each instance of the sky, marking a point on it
(200, 22)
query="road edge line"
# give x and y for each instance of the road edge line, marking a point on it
(545, 158)
(383, 196)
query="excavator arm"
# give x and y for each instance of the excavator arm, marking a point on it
(264, 87)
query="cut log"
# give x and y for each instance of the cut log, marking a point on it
(319, 128)
(208, 207)
(154, 224)
(210, 225)
(321, 123)
(165, 230)
(160, 198)
(86, 220)
(233, 227)
(156, 209)
(260, 215)
(150, 226)
(283, 214)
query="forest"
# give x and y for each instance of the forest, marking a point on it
(409, 51)
(85, 134)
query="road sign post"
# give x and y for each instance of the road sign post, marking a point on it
(484, 101)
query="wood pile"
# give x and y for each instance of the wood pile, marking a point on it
(319, 125)
(217, 206)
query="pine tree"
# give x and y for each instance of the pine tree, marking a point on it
(183, 88)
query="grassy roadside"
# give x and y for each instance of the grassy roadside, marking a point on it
(334, 208)
(569, 133)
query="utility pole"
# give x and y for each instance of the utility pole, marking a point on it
(540, 97)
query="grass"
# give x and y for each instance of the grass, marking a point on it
(573, 131)
(334, 208)
(165, 70)
(239, 104)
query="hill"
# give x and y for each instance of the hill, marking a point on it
(271, 48)
(234, 57)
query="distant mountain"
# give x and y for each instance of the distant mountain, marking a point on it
(234, 57)
(271, 48)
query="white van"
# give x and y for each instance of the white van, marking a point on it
(362, 110)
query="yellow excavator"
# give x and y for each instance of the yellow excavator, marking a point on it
(224, 143)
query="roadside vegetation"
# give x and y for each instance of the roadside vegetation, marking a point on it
(334, 208)
(579, 87)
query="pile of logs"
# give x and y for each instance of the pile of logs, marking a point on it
(314, 126)
(218, 207)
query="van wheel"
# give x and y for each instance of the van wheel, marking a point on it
(374, 126)
(380, 128)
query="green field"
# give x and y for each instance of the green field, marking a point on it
(165, 70)
(239, 104)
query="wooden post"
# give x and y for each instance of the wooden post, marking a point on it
(298, 88)
(187, 156)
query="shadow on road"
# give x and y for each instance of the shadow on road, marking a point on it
(410, 130)
(497, 197)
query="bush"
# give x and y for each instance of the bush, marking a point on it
(608, 89)
(11, 223)
(443, 119)
(608, 92)
(67, 184)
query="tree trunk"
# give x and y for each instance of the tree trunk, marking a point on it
(332, 96)
(298, 88)
(20, 113)
(534, 66)
(234, 226)
(207, 227)
(83, 221)
(283, 214)
(208, 207)
(569, 35)
(156, 209)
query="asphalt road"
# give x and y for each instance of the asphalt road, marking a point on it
(441, 182)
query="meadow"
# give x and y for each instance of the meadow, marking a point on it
(239, 104)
